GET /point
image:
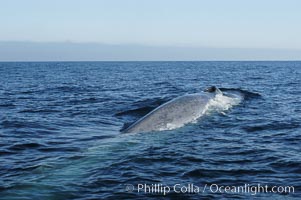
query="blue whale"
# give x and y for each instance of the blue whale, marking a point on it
(175, 113)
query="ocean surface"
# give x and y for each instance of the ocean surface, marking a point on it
(60, 133)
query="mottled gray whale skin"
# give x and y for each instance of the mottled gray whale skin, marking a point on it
(174, 113)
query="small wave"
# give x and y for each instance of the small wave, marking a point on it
(96, 137)
(38, 111)
(272, 126)
(24, 146)
(245, 93)
(23, 124)
(191, 158)
(7, 105)
(211, 173)
(28, 92)
(287, 166)
(68, 88)
(6, 152)
(59, 149)
(34, 168)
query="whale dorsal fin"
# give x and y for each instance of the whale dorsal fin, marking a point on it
(214, 90)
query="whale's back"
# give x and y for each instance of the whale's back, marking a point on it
(172, 114)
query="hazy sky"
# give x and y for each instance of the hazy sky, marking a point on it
(268, 24)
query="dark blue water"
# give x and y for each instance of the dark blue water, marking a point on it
(60, 123)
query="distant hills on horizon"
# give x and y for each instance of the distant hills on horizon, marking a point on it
(70, 51)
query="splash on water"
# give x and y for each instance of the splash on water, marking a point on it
(223, 102)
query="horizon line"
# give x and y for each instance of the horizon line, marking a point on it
(54, 61)
(150, 45)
